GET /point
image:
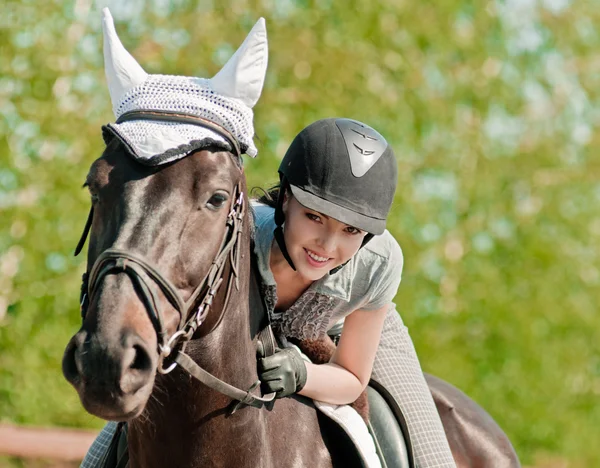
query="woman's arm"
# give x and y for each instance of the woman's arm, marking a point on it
(342, 380)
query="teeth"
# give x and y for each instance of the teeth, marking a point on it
(316, 257)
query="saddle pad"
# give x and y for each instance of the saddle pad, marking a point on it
(350, 422)
(356, 429)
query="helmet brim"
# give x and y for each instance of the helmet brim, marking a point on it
(344, 215)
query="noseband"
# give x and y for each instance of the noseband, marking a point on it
(192, 312)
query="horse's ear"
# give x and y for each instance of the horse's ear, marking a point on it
(122, 70)
(243, 75)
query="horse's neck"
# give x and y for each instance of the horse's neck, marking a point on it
(183, 412)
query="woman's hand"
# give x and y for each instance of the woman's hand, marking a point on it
(283, 373)
(340, 381)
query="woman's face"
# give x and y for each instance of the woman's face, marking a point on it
(317, 243)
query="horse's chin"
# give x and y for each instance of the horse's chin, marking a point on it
(112, 406)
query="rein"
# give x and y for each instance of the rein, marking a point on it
(192, 312)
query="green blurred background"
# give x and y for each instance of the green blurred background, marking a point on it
(492, 109)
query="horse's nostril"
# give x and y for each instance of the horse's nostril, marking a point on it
(141, 360)
(137, 369)
(69, 364)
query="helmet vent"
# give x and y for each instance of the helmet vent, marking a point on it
(365, 145)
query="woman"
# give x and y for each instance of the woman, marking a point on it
(325, 257)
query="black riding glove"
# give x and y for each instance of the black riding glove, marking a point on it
(283, 373)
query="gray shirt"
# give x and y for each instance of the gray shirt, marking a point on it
(368, 281)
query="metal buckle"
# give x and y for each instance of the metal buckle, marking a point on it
(165, 351)
(198, 313)
(160, 369)
(238, 202)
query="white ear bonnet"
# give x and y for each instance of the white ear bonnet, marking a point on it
(226, 100)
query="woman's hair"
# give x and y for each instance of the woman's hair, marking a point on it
(267, 197)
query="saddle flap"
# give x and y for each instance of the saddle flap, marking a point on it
(387, 433)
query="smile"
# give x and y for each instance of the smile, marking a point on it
(316, 259)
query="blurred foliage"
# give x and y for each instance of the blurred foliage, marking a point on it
(492, 108)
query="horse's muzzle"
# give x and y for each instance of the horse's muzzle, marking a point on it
(113, 379)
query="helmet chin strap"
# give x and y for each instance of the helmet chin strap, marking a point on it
(281, 242)
(279, 220)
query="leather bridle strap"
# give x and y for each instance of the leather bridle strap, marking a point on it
(86, 231)
(121, 261)
(245, 398)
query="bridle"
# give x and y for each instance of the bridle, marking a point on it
(192, 312)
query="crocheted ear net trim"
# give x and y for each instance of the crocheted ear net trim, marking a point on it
(186, 95)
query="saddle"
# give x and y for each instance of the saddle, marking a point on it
(385, 435)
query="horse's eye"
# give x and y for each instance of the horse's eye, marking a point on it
(217, 201)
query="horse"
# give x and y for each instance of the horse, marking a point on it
(176, 219)
(169, 274)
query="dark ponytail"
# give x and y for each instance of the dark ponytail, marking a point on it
(267, 197)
